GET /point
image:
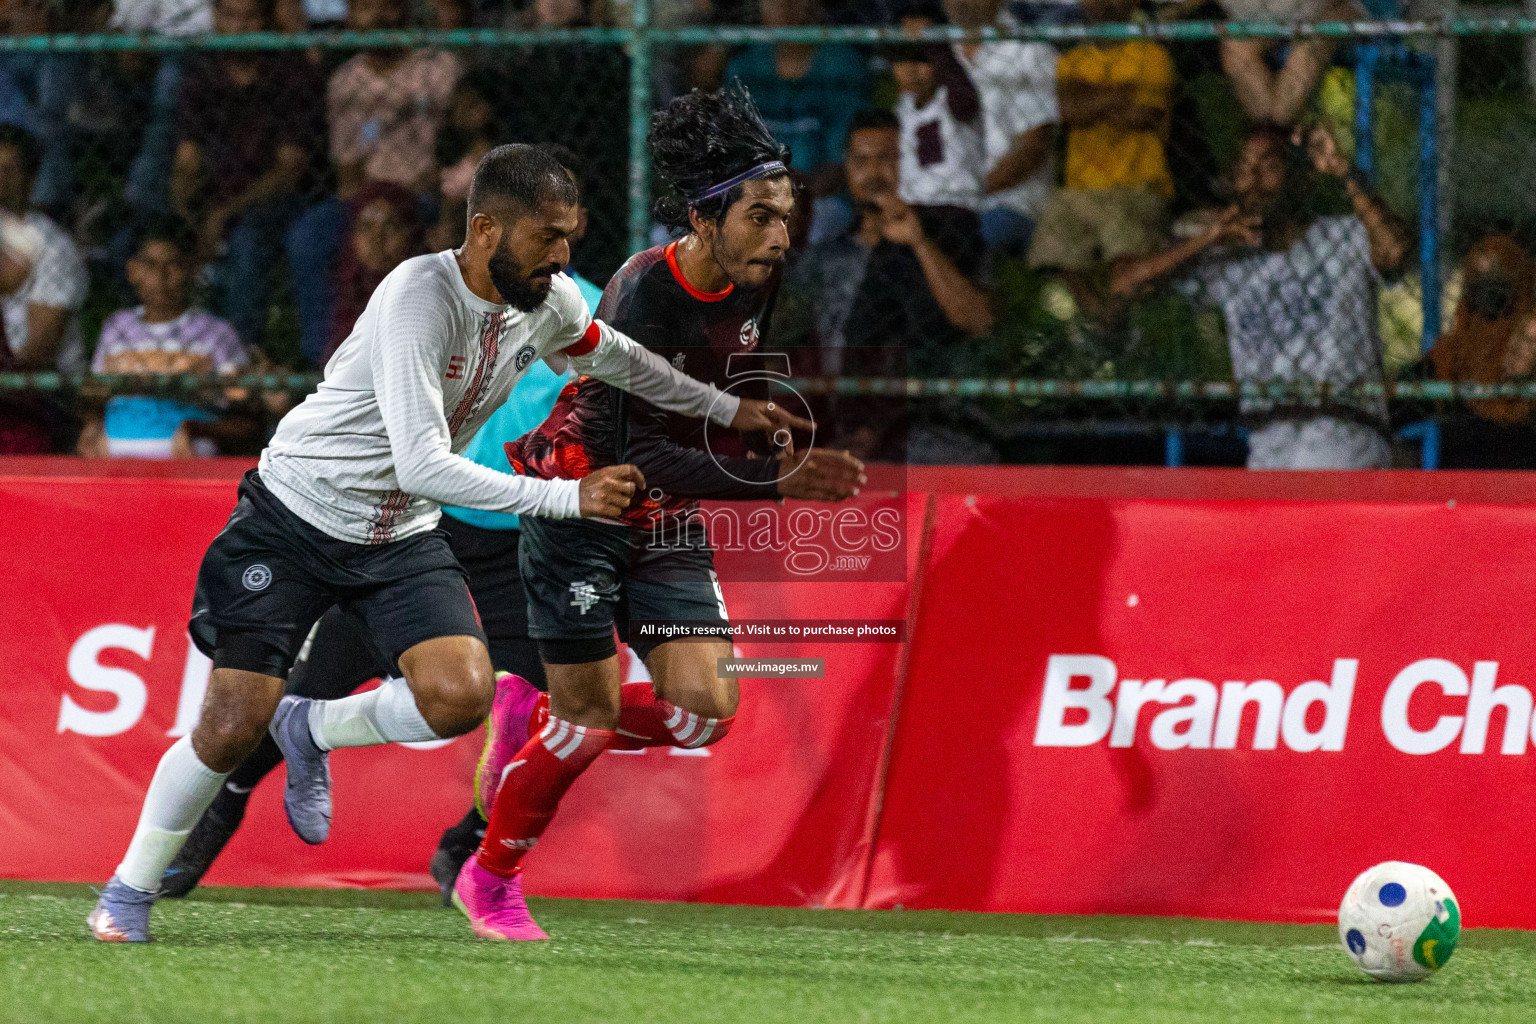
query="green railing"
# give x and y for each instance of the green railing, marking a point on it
(1026, 388)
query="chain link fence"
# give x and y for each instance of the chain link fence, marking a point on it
(1281, 232)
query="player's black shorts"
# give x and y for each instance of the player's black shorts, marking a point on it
(269, 575)
(585, 579)
(341, 655)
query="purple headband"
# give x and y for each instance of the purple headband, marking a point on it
(761, 170)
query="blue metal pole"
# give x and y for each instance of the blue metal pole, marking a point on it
(1173, 448)
(639, 124)
(1365, 109)
(1429, 203)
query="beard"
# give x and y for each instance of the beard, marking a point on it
(523, 292)
(740, 268)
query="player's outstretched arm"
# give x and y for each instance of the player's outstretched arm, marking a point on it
(407, 363)
(685, 472)
(615, 358)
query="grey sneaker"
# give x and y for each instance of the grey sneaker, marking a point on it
(307, 798)
(121, 914)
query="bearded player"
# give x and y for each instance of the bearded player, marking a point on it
(694, 303)
(344, 506)
(340, 656)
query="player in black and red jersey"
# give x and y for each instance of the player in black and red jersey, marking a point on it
(697, 302)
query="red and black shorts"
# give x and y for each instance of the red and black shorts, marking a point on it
(586, 579)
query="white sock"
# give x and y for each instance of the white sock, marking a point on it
(385, 715)
(180, 792)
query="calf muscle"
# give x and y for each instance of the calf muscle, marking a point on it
(585, 694)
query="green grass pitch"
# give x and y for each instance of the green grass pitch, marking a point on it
(284, 956)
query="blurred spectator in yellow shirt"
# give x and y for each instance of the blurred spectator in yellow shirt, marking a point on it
(1114, 100)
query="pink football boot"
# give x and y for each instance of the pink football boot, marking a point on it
(507, 730)
(494, 905)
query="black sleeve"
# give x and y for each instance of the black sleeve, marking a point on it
(688, 472)
(642, 311)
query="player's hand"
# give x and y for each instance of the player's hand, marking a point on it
(769, 417)
(820, 475)
(607, 492)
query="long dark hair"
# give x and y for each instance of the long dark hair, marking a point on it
(703, 139)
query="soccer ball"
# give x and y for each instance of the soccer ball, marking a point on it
(1399, 922)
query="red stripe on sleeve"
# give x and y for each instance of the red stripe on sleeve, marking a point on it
(588, 341)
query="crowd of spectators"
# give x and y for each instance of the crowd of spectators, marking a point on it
(243, 205)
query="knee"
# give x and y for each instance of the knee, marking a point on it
(223, 739)
(702, 696)
(455, 700)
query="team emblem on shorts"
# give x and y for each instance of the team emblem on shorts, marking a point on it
(523, 358)
(257, 577)
(583, 596)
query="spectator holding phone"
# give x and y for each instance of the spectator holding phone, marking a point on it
(1298, 293)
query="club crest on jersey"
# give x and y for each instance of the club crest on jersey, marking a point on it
(523, 358)
(256, 577)
(678, 360)
(749, 333)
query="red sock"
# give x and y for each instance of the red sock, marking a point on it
(539, 776)
(645, 720)
(539, 717)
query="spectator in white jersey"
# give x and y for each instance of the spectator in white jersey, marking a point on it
(344, 506)
(1298, 294)
(943, 156)
(1016, 82)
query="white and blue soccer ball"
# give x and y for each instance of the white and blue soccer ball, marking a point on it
(1399, 922)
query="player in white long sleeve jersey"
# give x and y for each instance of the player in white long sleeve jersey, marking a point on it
(424, 368)
(344, 506)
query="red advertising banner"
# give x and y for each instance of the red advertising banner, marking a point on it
(1213, 708)
(1175, 692)
(102, 676)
